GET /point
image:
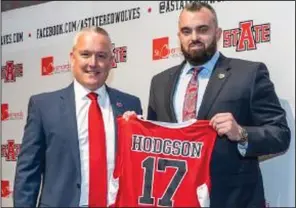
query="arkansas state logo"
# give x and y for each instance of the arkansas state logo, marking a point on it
(120, 55)
(247, 36)
(11, 70)
(10, 151)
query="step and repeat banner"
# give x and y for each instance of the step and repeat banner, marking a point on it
(36, 43)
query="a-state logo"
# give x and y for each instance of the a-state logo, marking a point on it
(120, 55)
(10, 151)
(10, 71)
(247, 36)
(5, 189)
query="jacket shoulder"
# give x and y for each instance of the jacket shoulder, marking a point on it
(243, 63)
(166, 73)
(122, 94)
(47, 96)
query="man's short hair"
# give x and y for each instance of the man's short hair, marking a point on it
(97, 30)
(197, 6)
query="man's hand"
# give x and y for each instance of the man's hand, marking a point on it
(128, 114)
(225, 124)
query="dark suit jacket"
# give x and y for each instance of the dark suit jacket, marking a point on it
(50, 148)
(247, 92)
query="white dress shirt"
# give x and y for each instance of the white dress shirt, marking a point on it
(82, 106)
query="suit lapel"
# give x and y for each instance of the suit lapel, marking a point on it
(116, 103)
(117, 108)
(68, 117)
(172, 83)
(217, 80)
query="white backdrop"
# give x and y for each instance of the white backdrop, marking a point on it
(145, 42)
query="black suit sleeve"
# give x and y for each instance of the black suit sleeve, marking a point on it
(151, 115)
(30, 162)
(270, 133)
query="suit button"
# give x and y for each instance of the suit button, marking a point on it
(78, 185)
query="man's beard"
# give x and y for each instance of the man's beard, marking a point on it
(201, 56)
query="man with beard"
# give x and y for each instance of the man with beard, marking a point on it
(237, 97)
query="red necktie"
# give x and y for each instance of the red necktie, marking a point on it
(190, 101)
(97, 155)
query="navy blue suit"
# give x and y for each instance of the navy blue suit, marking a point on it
(246, 91)
(50, 149)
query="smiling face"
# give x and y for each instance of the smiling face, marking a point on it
(91, 59)
(198, 35)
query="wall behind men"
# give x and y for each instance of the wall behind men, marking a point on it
(36, 42)
(9, 5)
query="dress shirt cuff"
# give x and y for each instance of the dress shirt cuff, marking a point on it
(242, 148)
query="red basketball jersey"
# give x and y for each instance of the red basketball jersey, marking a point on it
(163, 164)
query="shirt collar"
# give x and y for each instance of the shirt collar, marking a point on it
(207, 67)
(81, 92)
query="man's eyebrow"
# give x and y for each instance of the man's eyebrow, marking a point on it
(197, 27)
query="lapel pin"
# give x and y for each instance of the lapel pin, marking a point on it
(221, 76)
(119, 104)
